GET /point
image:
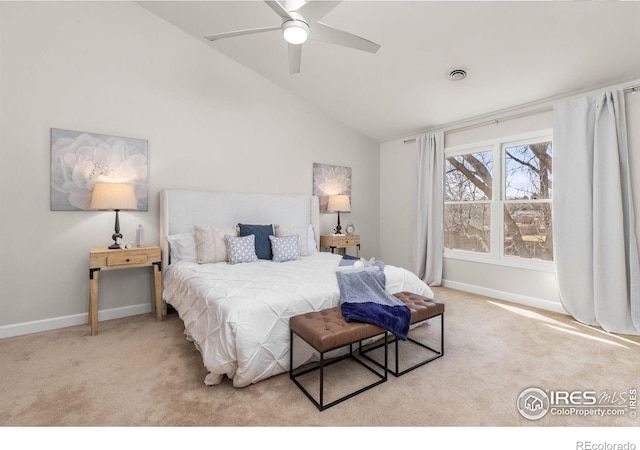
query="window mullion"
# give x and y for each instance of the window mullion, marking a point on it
(496, 206)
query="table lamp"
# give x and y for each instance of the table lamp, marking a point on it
(114, 197)
(338, 203)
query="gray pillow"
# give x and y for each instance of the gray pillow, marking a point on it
(285, 248)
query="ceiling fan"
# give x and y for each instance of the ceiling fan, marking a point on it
(302, 22)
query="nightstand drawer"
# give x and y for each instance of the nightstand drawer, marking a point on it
(347, 242)
(107, 259)
(124, 260)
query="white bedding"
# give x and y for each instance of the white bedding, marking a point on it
(237, 315)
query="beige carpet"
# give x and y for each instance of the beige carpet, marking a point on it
(138, 372)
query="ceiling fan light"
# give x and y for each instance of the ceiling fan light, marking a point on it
(295, 31)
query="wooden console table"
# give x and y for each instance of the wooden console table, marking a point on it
(107, 259)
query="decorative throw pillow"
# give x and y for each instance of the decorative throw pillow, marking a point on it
(301, 232)
(285, 248)
(241, 249)
(211, 244)
(182, 247)
(261, 233)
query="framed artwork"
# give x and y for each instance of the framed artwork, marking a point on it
(79, 160)
(330, 180)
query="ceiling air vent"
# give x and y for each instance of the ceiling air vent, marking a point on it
(457, 75)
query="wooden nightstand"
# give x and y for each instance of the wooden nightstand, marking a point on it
(342, 242)
(106, 259)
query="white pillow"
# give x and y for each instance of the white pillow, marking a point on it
(210, 243)
(182, 247)
(285, 248)
(242, 249)
(303, 236)
(311, 241)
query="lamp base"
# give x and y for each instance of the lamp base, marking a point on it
(116, 236)
(338, 229)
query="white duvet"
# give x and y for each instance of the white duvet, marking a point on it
(237, 315)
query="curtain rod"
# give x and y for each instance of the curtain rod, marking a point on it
(451, 128)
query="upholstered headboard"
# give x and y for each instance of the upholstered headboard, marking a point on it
(180, 210)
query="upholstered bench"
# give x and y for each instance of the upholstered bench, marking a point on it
(325, 331)
(422, 308)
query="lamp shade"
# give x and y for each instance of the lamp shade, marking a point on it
(338, 203)
(113, 196)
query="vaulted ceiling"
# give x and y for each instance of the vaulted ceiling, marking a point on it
(514, 53)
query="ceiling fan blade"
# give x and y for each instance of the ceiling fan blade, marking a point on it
(279, 9)
(215, 37)
(316, 10)
(295, 55)
(322, 32)
(292, 5)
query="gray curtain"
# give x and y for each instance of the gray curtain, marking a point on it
(429, 239)
(595, 244)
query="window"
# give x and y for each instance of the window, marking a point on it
(498, 200)
(468, 197)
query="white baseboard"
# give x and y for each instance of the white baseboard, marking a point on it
(55, 323)
(547, 305)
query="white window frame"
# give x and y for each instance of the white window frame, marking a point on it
(496, 254)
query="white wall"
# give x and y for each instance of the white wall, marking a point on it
(398, 185)
(114, 68)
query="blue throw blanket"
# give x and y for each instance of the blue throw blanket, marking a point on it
(363, 298)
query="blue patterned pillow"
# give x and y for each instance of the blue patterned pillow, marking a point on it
(285, 248)
(241, 249)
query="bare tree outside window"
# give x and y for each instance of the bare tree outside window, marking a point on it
(468, 195)
(527, 208)
(525, 173)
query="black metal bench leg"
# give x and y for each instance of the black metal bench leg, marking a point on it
(442, 335)
(320, 403)
(397, 372)
(321, 381)
(291, 354)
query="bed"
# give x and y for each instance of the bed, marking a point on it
(237, 313)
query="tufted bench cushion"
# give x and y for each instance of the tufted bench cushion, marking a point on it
(328, 330)
(422, 308)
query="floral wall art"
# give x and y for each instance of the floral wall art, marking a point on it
(79, 160)
(330, 180)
